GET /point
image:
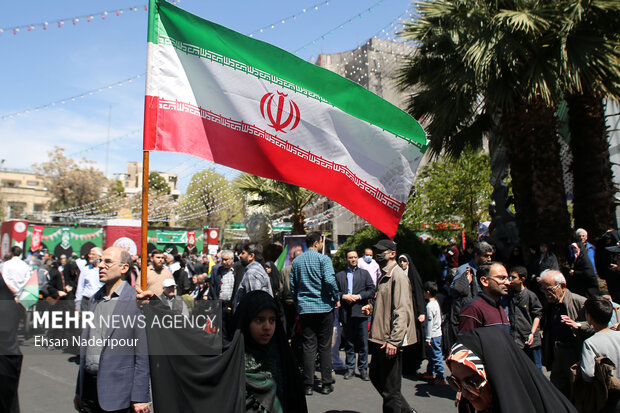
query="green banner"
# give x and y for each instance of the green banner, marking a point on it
(171, 237)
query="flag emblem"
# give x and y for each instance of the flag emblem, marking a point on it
(267, 106)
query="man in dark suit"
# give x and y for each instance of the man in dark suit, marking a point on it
(356, 287)
(114, 378)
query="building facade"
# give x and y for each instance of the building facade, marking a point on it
(22, 195)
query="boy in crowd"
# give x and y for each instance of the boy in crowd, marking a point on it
(434, 369)
(604, 343)
(525, 312)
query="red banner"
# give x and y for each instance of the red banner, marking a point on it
(191, 239)
(213, 236)
(37, 233)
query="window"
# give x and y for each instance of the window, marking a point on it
(16, 209)
(10, 184)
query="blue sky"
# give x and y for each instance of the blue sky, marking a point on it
(44, 66)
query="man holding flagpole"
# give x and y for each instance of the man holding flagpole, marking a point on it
(314, 290)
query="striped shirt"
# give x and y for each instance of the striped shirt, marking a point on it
(313, 284)
(254, 278)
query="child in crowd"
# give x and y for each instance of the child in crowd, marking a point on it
(434, 369)
(525, 315)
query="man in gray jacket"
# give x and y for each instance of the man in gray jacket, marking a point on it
(114, 378)
(392, 328)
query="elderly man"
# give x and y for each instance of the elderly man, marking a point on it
(113, 378)
(393, 327)
(564, 326)
(170, 298)
(157, 273)
(224, 283)
(582, 235)
(88, 281)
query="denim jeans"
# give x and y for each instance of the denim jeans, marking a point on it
(435, 358)
(535, 354)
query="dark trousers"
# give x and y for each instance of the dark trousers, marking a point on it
(317, 335)
(564, 356)
(386, 375)
(355, 336)
(90, 399)
(10, 370)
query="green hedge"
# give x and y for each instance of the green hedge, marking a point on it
(406, 241)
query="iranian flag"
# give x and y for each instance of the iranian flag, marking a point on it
(222, 96)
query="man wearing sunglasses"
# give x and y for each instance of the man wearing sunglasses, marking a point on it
(486, 309)
(565, 328)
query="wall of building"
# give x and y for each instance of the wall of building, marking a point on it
(22, 194)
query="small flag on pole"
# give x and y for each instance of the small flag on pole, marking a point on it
(30, 294)
(282, 259)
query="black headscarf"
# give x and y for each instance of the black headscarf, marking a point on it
(274, 278)
(413, 355)
(583, 281)
(518, 385)
(276, 357)
(417, 288)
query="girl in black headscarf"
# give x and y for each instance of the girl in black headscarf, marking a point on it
(273, 381)
(274, 278)
(495, 376)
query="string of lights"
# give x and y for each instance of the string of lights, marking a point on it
(341, 26)
(75, 19)
(72, 98)
(289, 18)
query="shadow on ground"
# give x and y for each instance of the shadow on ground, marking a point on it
(431, 390)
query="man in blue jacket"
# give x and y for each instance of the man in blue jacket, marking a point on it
(356, 287)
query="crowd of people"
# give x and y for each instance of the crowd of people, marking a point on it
(502, 325)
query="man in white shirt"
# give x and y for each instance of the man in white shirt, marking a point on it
(16, 272)
(369, 264)
(88, 281)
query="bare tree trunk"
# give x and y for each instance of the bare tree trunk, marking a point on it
(536, 171)
(594, 206)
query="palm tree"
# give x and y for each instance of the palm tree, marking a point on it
(486, 66)
(591, 53)
(278, 195)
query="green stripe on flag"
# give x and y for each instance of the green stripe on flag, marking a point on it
(282, 259)
(191, 34)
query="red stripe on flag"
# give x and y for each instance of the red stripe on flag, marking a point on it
(185, 132)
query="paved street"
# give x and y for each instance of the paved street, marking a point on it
(48, 385)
